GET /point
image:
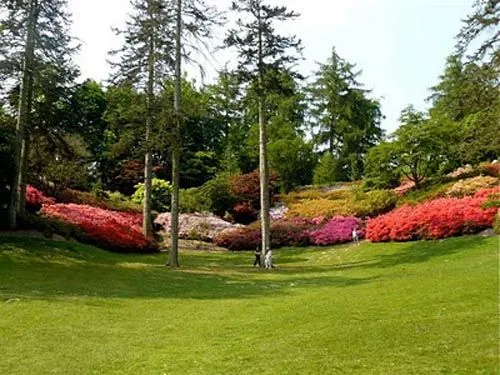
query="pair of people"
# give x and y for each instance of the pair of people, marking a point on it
(268, 259)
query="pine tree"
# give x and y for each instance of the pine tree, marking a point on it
(34, 36)
(344, 118)
(481, 25)
(262, 50)
(158, 36)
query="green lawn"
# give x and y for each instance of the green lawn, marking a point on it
(412, 308)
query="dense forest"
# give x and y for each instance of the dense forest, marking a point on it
(150, 130)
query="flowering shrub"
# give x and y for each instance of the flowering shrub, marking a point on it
(238, 238)
(117, 231)
(439, 218)
(471, 185)
(246, 188)
(372, 203)
(319, 207)
(404, 188)
(35, 199)
(462, 171)
(195, 226)
(283, 233)
(312, 194)
(337, 230)
(491, 169)
(345, 203)
(278, 212)
(244, 213)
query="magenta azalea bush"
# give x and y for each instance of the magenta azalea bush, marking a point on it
(337, 230)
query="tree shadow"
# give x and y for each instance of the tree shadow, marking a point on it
(44, 269)
(418, 252)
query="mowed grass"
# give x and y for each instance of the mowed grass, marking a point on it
(396, 308)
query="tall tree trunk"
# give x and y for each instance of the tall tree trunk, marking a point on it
(147, 225)
(173, 260)
(18, 189)
(263, 164)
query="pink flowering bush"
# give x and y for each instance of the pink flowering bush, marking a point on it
(337, 230)
(439, 218)
(195, 226)
(35, 199)
(113, 230)
(404, 188)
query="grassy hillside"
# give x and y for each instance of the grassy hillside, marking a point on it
(397, 308)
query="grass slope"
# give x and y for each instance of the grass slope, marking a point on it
(412, 308)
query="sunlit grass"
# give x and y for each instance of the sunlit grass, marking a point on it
(412, 308)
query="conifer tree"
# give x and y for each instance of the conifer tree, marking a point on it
(261, 50)
(33, 36)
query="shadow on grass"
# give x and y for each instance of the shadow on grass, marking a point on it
(417, 252)
(44, 269)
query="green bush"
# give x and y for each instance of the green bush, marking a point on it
(216, 195)
(160, 195)
(191, 200)
(213, 196)
(107, 200)
(328, 170)
(372, 203)
(50, 226)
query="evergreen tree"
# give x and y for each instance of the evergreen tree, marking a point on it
(344, 118)
(482, 25)
(145, 61)
(262, 50)
(34, 42)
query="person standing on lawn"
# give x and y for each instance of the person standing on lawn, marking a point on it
(256, 262)
(355, 236)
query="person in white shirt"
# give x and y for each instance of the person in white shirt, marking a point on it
(355, 237)
(268, 260)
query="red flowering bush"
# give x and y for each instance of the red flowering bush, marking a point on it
(283, 233)
(238, 238)
(117, 231)
(337, 230)
(246, 188)
(439, 218)
(35, 199)
(244, 213)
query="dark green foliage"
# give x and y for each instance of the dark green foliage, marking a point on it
(293, 160)
(467, 102)
(213, 196)
(481, 25)
(328, 171)
(49, 227)
(347, 121)
(381, 170)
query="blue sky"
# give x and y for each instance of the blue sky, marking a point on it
(400, 45)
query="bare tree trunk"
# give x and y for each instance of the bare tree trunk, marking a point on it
(18, 189)
(263, 164)
(25, 152)
(173, 260)
(147, 225)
